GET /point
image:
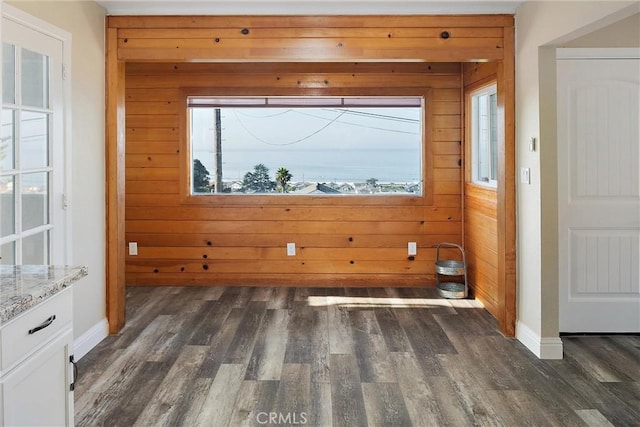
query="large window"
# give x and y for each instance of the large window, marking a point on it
(306, 145)
(484, 136)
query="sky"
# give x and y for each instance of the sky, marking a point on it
(315, 144)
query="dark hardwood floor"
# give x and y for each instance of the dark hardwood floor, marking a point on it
(342, 357)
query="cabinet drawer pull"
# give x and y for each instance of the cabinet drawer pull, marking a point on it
(42, 325)
(72, 360)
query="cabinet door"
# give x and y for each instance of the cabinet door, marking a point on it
(37, 392)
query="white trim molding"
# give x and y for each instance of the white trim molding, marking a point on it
(542, 347)
(308, 7)
(598, 53)
(87, 341)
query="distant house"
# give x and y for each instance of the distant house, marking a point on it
(318, 188)
(413, 188)
(347, 188)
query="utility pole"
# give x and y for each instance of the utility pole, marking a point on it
(217, 169)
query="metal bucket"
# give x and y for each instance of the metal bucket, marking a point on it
(450, 267)
(452, 290)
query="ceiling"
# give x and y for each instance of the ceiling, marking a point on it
(308, 7)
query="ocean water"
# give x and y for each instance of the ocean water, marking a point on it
(341, 165)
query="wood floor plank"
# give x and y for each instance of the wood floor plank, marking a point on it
(220, 399)
(179, 333)
(498, 376)
(107, 406)
(212, 293)
(392, 332)
(261, 294)
(150, 306)
(510, 405)
(255, 399)
(466, 384)
(94, 364)
(593, 418)
(601, 365)
(594, 394)
(175, 392)
(281, 298)
(448, 401)
(192, 408)
(628, 392)
(539, 379)
(384, 405)
(220, 344)
(418, 397)
(241, 346)
(119, 376)
(320, 413)
(299, 334)
(210, 320)
(347, 402)
(374, 361)
(420, 343)
(320, 360)
(270, 347)
(294, 393)
(340, 338)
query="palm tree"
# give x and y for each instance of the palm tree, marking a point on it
(283, 176)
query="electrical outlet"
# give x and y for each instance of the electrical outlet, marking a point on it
(525, 175)
(133, 248)
(291, 249)
(412, 248)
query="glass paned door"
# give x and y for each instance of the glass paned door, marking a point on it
(31, 148)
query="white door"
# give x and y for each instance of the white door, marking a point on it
(32, 148)
(599, 189)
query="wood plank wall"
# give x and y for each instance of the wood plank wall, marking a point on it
(480, 207)
(161, 55)
(242, 239)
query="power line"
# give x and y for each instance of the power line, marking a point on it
(360, 125)
(263, 117)
(287, 143)
(380, 116)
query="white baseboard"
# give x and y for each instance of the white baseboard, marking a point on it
(543, 348)
(90, 339)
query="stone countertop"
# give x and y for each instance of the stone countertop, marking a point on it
(24, 286)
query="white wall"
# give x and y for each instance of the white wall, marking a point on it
(85, 21)
(540, 28)
(624, 33)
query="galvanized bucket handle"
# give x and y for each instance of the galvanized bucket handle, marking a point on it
(451, 245)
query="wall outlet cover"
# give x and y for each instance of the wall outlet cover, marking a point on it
(291, 249)
(412, 248)
(133, 248)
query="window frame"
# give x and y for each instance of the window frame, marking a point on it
(489, 87)
(313, 199)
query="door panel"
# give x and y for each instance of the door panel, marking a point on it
(599, 194)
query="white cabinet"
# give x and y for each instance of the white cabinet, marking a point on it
(36, 373)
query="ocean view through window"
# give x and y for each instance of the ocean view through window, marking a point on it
(307, 145)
